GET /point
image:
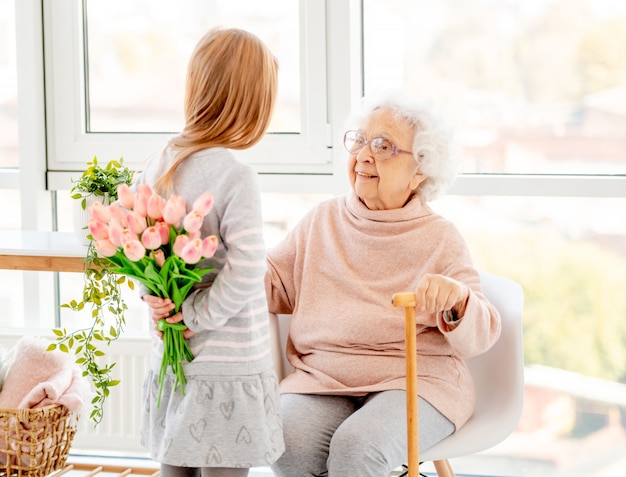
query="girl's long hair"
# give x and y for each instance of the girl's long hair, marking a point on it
(229, 96)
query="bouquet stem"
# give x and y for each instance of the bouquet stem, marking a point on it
(175, 353)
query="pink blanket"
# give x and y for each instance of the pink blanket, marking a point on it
(38, 377)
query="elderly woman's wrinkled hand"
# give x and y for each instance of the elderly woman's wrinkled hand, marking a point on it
(440, 293)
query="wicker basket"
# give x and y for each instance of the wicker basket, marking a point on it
(35, 442)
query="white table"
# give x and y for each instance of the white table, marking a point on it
(41, 251)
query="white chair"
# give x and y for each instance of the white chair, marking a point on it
(498, 376)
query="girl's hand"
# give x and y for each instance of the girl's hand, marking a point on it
(161, 307)
(178, 318)
(440, 293)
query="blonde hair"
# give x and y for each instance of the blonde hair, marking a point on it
(232, 80)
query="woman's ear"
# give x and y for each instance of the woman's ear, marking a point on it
(417, 179)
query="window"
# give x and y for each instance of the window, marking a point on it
(537, 92)
(8, 87)
(136, 59)
(520, 108)
(115, 75)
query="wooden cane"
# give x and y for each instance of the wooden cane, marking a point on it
(407, 300)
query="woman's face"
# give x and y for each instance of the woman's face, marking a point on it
(384, 184)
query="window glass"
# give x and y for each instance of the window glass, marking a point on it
(8, 86)
(12, 299)
(137, 53)
(533, 87)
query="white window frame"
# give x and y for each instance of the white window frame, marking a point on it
(70, 146)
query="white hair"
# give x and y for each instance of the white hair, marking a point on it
(434, 148)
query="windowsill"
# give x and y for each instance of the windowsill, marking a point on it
(41, 251)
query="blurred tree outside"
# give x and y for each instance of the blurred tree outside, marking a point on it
(575, 305)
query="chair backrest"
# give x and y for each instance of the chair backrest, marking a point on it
(498, 375)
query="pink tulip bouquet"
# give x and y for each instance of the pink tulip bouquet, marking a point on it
(157, 243)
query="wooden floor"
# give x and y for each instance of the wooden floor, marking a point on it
(93, 470)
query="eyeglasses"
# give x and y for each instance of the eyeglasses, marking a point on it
(382, 149)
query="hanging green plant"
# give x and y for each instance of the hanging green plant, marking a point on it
(102, 291)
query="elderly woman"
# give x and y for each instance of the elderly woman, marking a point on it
(344, 406)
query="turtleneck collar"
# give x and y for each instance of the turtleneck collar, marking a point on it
(413, 209)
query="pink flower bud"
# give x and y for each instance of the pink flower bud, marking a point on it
(203, 204)
(115, 234)
(105, 247)
(193, 221)
(158, 256)
(179, 244)
(136, 222)
(100, 212)
(118, 215)
(141, 205)
(125, 196)
(155, 207)
(144, 190)
(98, 230)
(164, 231)
(192, 252)
(134, 251)
(128, 235)
(209, 246)
(174, 210)
(151, 238)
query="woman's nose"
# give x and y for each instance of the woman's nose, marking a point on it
(365, 155)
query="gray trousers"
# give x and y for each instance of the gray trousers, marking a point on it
(174, 471)
(338, 436)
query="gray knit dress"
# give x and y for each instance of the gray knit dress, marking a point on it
(229, 414)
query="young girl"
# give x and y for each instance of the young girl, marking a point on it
(228, 419)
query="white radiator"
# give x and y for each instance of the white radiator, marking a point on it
(118, 433)
(119, 429)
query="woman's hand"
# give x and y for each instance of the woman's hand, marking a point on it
(439, 293)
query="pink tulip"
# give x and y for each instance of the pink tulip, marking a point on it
(203, 204)
(151, 238)
(155, 207)
(105, 247)
(209, 246)
(144, 190)
(141, 205)
(194, 235)
(193, 221)
(128, 235)
(118, 215)
(115, 234)
(192, 252)
(136, 222)
(179, 244)
(164, 231)
(98, 230)
(100, 212)
(174, 210)
(134, 251)
(158, 256)
(125, 196)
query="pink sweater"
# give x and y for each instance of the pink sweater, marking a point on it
(336, 273)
